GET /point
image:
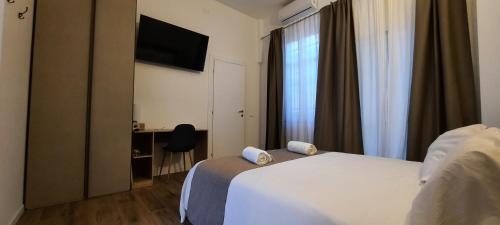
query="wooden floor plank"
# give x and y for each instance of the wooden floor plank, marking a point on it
(156, 205)
(131, 210)
(146, 196)
(81, 213)
(55, 215)
(106, 211)
(30, 217)
(167, 217)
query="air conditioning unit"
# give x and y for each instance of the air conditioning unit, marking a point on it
(297, 9)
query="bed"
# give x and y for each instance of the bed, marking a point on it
(458, 184)
(328, 188)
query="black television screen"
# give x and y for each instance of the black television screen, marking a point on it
(164, 43)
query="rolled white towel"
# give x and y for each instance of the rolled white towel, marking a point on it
(302, 147)
(269, 156)
(256, 156)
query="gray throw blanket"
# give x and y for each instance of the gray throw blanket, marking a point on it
(210, 184)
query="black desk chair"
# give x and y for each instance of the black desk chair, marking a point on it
(182, 139)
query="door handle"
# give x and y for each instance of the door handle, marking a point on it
(241, 112)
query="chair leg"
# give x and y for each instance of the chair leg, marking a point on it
(162, 162)
(190, 158)
(169, 164)
(184, 160)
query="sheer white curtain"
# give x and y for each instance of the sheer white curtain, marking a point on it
(301, 42)
(384, 41)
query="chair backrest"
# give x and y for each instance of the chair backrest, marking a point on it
(183, 138)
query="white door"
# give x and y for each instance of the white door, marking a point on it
(228, 107)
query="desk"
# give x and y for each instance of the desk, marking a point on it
(143, 163)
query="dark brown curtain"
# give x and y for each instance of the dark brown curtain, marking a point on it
(274, 123)
(338, 117)
(443, 90)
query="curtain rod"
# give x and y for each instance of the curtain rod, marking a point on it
(298, 21)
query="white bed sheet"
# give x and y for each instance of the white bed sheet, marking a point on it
(332, 188)
(186, 189)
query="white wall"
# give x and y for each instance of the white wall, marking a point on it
(15, 45)
(488, 16)
(266, 25)
(167, 97)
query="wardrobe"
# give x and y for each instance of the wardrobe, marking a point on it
(81, 97)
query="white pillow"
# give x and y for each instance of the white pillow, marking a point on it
(443, 145)
(465, 190)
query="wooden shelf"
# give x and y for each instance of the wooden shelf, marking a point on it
(140, 182)
(144, 141)
(142, 156)
(142, 164)
(143, 131)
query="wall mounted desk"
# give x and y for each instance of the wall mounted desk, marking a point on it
(142, 172)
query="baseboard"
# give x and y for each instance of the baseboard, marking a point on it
(17, 216)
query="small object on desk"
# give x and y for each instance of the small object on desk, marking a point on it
(136, 153)
(135, 126)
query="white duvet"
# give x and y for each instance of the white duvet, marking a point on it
(332, 188)
(344, 189)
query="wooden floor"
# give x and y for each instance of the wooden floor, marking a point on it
(156, 205)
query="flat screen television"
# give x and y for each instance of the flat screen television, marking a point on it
(167, 44)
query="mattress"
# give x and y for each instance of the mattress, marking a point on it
(332, 188)
(207, 184)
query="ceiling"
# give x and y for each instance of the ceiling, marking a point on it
(259, 9)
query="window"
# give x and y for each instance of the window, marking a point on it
(300, 78)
